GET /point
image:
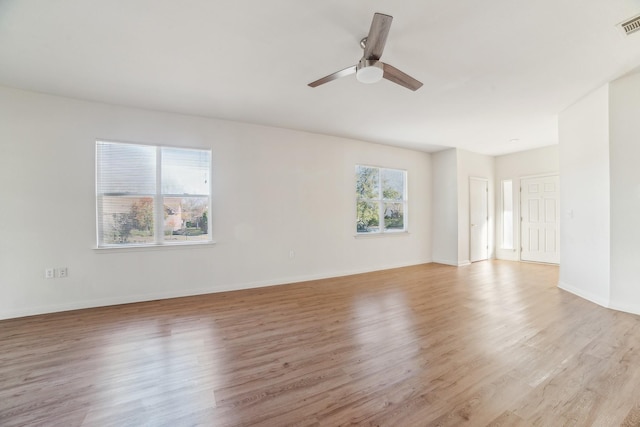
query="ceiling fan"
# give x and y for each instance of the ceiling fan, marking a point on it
(370, 69)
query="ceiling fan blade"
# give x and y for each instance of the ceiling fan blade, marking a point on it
(334, 76)
(393, 74)
(377, 36)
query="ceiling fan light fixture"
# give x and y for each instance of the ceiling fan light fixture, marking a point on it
(369, 71)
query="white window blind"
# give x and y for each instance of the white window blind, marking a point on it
(126, 169)
(151, 195)
(185, 171)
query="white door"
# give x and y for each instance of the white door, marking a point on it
(540, 228)
(478, 219)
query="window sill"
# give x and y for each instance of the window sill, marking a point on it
(376, 235)
(156, 247)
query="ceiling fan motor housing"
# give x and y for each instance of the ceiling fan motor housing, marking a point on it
(369, 71)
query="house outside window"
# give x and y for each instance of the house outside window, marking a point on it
(381, 200)
(152, 195)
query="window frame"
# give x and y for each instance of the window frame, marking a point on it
(158, 200)
(507, 230)
(380, 201)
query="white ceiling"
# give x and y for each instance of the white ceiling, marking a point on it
(493, 70)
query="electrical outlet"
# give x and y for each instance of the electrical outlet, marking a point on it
(62, 272)
(49, 273)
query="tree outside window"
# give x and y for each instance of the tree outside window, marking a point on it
(151, 195)
(380, 199)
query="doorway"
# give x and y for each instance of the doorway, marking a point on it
(478, 219)
(540, 228)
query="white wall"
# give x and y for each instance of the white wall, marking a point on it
(585, 197)
(450, 208)
(444, 205)
(275, 190)
(477, 166)
(624, 116)
(541, 161)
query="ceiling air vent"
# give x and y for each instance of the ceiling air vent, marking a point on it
(631, 26)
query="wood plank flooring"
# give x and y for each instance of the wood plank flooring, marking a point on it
(492, 344)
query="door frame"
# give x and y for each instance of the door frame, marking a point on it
(486, 181)
(519, 219)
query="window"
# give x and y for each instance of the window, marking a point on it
(381, 200)
(507, 214)
(151, 195)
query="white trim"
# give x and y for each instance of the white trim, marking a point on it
(486, 181)
(603, 302)
(543, 175)
(158, 208)
(627, 308)
(453, 263)
(501, 216)
(154, 247)
(103, 302)
(466, 262)
(586, 295)
(383, 234)
(153, 144)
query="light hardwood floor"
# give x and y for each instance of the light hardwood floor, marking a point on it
(492, 344)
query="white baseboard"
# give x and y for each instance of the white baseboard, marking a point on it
(129, 299)
(604, 302)
(446, 261)
(454, 263)
(627, 308)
